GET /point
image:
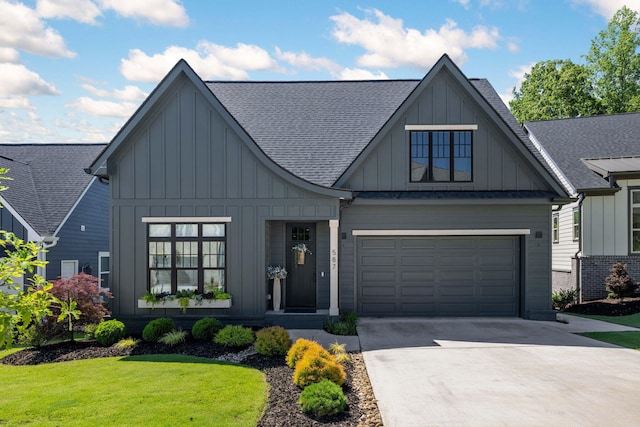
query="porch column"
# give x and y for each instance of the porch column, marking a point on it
(333, 277)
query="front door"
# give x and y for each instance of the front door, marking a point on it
(301, 279)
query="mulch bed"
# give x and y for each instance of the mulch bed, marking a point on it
(282, 409)
(607, 307)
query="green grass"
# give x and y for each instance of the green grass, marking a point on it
(156, 390)
(628, 339)
(632, 320)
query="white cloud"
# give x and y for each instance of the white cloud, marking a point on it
(89, 132)
(209, 60)
(307, 62)
(389, 44)
(360, 74)
(157, 12)
(519, 74)
(464, 3)
(101, 108)
(129, 93)
(15, 102)
(84, 11)
(21, 28)
(8, 54)
(607, 8)
(513, 47)
(24, 127)
(18, 80)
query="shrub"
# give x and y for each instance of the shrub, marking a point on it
(157, 328)
(127, 343)
(339, 351)
(33, 336)
(90, 330)
(563, 297)
(317, 365)
(173, 338)
(298, 349)
(206, 328)
(346, 324)
(322, 399)
(618, 281)
(235, 336)
(109, 332)
(273, 341)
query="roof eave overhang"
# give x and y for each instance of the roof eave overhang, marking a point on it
(605, 191)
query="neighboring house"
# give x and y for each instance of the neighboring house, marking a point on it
(598, 161)
(52, 201)
(415, 197)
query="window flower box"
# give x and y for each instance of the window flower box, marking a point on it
(205, 303)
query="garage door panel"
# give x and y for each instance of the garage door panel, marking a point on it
(438, 276)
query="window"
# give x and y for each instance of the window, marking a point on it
(635, 221)
(68, 268)
(576, 224)
(104, 269)
(556, 228)
(441, 156)
(189, 256)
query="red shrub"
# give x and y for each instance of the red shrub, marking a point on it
(86, 291)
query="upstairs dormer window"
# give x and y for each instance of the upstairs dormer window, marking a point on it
(441, 153)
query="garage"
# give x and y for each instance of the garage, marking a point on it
(462, 276)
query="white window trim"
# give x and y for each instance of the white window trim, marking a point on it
(75, 263)
(441, 127)
(631, 229)
(103, 254)
(555, 219)
(474, 232)
(185, 219)
(576, 236)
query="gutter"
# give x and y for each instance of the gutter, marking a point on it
(578, 255)
(47, 243)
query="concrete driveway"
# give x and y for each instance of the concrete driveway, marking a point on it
(499, 372)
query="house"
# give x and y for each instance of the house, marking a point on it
(598, 161)
(52, 201)
(414, 197)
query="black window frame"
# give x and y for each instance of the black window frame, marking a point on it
(173, 239)
(429, 177)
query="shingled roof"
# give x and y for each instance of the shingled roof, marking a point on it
(568, 141)
(47, 180)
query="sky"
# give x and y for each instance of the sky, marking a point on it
(76, 70)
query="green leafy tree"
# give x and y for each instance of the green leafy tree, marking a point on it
(554, 89)
(69, 310)
(19, 307)
(614, 62)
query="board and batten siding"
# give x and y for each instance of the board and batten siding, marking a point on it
(497, 166)
(566, 247)
(183, 159)
(535, 268)
(606, 221)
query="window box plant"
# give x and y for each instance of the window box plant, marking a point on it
(186, 299)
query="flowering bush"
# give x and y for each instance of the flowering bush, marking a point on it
(276, 272)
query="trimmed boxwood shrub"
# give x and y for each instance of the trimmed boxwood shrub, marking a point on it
(234, 336)
(206, 328)
(322, 399)
(273, 341)
(317, 365)
(298, 349)
(109, 332)
(157, 328)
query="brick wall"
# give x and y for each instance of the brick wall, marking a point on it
(595, 269)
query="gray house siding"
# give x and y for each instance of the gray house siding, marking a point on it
(184, 160)
(10, 223)
(497, 166)
(75, 244)
(535, 267)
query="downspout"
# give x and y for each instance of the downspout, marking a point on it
(46, 243)
(578, 255)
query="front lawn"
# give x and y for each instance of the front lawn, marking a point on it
(150, 390)
(632, 320)
(628, 339)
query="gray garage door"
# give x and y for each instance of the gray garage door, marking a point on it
(438, 276)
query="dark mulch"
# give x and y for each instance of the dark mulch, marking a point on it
(282, 408)
(607, 307)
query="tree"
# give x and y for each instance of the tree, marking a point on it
(618, 281)
(19, 308)
(554, 89)
(614, 63)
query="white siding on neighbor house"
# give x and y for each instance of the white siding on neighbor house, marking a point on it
(606, 221)
(566, 247)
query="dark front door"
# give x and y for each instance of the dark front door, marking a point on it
(301, 280)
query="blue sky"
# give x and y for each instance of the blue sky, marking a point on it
(75, 70)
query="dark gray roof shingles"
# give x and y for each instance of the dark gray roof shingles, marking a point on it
(47, 180)
(569, 140)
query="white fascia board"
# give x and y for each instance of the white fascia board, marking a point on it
(474, 232)
(554, 167)
(32, 235)
(185, 219)
(441, 127)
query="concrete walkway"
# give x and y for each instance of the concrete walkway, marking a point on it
(499, 372)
